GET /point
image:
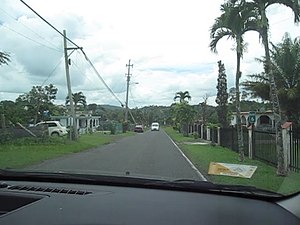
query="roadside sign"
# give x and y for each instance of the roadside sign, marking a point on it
(232, 170)
(252, 117)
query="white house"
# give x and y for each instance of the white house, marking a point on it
(85, 123)
(264, 120)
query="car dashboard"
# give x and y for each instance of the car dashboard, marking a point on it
(24, 202)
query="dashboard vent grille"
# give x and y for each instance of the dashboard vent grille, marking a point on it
(49, 190)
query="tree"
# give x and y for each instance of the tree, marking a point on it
(260, 6)
(182, 96)
(4, 58)
(38, 101)
(78, 98)
(285, 60)
(222, 96)
(236, 19)
(204, 111)
(183, 114)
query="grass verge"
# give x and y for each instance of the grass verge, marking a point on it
(26, 152)
(264, 177)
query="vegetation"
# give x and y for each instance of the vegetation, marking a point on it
(78, 98)
(202, 155)
(236, 19)
(26, 152)
(182, 96)
(183, 113)
(285, 58)
(222, 96)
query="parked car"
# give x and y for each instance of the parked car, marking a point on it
(55, 128)
(155, 126)
(138, 129)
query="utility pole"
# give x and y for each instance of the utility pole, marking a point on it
(128, 80)
(73, 132)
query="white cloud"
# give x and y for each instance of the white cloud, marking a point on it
(167, 41)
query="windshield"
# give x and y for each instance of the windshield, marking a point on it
(173, 90)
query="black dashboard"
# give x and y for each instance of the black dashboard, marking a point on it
(64, 203)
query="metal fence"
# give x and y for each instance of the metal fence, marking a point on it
(228, 139)
(264, 146)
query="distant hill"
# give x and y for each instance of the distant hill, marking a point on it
(110, 107)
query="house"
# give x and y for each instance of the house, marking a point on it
(85, 122)
(264, 120)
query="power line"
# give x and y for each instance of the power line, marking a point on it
(51, 73)
(89, 61)
(99, 76)
(29, 38)
(37, 34)
(50, 24)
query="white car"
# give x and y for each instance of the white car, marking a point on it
(54, 128)
(155, 126)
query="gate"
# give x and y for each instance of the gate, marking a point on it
(264, 146)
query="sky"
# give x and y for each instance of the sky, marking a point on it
(167, 42)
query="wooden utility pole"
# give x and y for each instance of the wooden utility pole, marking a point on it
(128, 80)
(73, 132)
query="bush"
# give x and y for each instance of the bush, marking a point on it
(195, 135)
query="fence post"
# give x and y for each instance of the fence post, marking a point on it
(219, 135)
(286, 144)
(250, 133)
(208, 133)
(202, 131)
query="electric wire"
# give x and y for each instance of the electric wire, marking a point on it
(39, 43)
(37, 34)
(80, 48)
(52, 72)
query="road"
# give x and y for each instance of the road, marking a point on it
(149, 154)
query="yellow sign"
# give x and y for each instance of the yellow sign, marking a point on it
(233, 170)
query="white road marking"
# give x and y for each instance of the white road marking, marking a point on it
(187, 159)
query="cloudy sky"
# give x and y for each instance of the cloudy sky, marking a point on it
(166, 40)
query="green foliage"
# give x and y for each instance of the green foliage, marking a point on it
(222, 96)
(264, 177)
(37, 103)
(285, 58)
(29, 151)
(78, 98)
(182, 96)
(183, 114)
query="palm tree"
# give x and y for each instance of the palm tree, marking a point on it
(285, 59)
(78, 98)
(234, 22)
(4, 58)
(182, 96)
(260, 6)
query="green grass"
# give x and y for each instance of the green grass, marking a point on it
(28, 152)
(264, 177)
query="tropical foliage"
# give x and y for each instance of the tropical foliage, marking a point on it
(78, 98)
(235, 20)
(182, 96)
(182, 112)
(39, 100)
(222, 96)
(285, 61)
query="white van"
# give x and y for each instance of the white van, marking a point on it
(155, 126)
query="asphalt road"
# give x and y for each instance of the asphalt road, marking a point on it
(149, 154)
